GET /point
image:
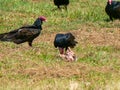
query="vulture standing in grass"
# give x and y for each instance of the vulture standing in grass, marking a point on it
(58, 3)
(64, 42)
(25, 33)
(113, 9)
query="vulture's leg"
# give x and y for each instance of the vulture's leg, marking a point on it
(111, 18)
(66, 7)
(59, 7)
(30, 43)
(66, 48)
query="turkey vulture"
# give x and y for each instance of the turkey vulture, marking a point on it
(58, 3)
(64, 41)
(25, 33)
(113, 9)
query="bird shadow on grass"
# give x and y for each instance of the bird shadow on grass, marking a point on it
(58, 9)
(107, 20)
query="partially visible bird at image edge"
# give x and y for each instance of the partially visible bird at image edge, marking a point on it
(113, 9)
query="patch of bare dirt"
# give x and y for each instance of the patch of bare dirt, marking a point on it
(68, 70)
(101, 37)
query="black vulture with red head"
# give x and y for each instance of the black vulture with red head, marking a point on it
(64, 41)
(24, 33)
(113, 9)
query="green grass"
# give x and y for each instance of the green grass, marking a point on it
(40, 68)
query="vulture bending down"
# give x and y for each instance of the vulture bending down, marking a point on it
(64, 42)
(58, 3)
(25, 33)
(113, 9)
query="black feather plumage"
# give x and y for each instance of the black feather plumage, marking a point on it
(25, 33)
(58, 3)
(65, 41)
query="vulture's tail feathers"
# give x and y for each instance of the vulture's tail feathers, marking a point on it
(5, 37)
(71, 39)
(2, 35)
(73, 44)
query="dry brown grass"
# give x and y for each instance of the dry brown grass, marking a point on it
(68, 70)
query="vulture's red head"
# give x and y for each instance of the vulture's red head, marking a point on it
(110, 2)
(42, 18)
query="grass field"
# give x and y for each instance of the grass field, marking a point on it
(40, 68)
